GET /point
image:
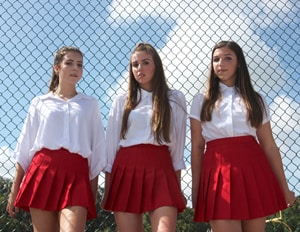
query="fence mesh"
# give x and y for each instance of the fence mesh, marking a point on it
(183, 31)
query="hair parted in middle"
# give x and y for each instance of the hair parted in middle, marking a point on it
(253, 101)
(58, 58)
(161, 106)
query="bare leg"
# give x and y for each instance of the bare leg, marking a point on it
(72, 219)
(44, 221)
(163, 219)
(254, 225)
(129, 222)
(226, 225)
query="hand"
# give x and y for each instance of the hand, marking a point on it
(290, 198)
(10, 208)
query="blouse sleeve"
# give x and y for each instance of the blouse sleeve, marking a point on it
(113, 130)
(28, 135)
(179, 115)
(98, 159)
(266, 115)
(196, 106)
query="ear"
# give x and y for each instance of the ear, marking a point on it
(55, 68)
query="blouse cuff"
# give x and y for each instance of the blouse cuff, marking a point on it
(179, 165)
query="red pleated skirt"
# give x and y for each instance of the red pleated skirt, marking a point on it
(57, 179)
(237, 182)
(143, 179)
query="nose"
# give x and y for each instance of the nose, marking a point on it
(221, 62)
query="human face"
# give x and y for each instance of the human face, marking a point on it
(70, 69)
(143, 69)
(225, 65)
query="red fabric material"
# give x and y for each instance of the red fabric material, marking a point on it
(237, 182)
(55, 180)
(143, 179)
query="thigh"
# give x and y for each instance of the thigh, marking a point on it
(226, 225)
(72, 219)
(129, 222)
(164, 219)
(254, 225)
(44, 221)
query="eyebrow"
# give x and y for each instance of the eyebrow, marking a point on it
(79, 61)
(227, 54)
(142, 60)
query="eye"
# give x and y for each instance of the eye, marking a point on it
(135, 65)
(216, 59)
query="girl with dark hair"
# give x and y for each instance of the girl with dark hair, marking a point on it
(146, 136)
(237, 172)
(60, 152)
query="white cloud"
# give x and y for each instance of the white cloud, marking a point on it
(186, 55)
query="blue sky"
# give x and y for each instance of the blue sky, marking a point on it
(183, 32)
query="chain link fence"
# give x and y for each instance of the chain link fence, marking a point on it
(183, 31)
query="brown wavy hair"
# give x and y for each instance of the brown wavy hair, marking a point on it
(160, 121)
(253, 101)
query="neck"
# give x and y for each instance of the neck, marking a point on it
(64, 94)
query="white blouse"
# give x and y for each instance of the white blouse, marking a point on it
(229, 117)
(139, 127)
(54, 123)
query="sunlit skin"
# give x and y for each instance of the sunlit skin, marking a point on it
(70, 69)
(143, 69)
(225, 64)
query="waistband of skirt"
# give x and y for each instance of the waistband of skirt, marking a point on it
(146, 146)
(231, 140)
(60, 151)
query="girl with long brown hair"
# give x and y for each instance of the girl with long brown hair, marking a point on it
(145, 143)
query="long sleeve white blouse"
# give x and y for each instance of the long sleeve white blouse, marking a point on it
(54, 123)
(229, 117)
(139, 127)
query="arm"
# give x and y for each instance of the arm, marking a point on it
(11, 209)
(266, 140)
(106, 188)
(94, 186)
(197, 151)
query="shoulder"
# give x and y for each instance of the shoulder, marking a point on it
(41, 98)
(120, 98)
(175, 92)
(199, 97)
(176, 95)
(85, 97)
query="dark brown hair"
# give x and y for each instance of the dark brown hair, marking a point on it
(253, 101)
(58, 57)
(161, 107)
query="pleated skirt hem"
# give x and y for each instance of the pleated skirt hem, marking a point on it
(56, 179)
(237, 182)
(143, 179)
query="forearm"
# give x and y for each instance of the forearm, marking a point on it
(275, 162)
(196, 162)
(17, 179)
(94, 187)
(178, 176)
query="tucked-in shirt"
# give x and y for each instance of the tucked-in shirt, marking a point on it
(54, 123)
(229, 117)
(140, 130)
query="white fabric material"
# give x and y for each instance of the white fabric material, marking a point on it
(229, 118)
(139, 127)
(54, 123)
